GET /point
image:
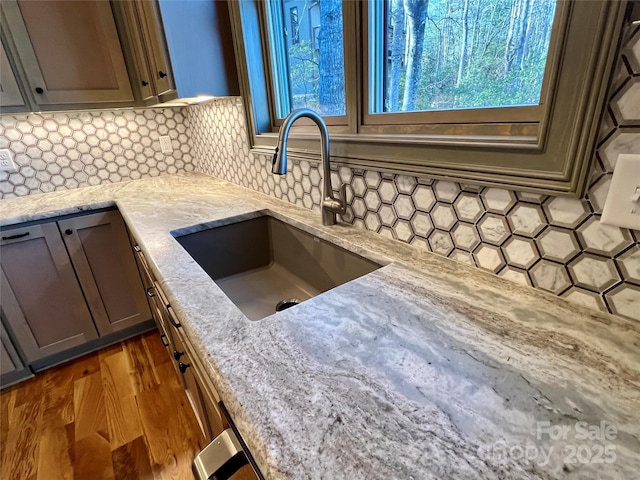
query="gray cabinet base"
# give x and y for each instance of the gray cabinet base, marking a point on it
(92, 346)
(12, 378)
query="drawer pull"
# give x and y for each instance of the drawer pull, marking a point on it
(177, 354)
(13, 237)
(172, 317)
(183, 366)
(150, 292)
(163, 339)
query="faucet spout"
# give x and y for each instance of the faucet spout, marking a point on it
(331, 206)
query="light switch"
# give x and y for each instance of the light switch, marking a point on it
(622, 207)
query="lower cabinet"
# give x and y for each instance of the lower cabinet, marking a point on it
(201, 393)
(68, 283)
(41, 298)
(204, 401)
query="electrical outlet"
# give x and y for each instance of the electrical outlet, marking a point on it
(165, 144)
(6, 161)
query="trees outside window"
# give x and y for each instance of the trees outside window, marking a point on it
(314, 55)
(451, 54)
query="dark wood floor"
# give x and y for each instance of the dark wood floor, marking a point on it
(119, 414)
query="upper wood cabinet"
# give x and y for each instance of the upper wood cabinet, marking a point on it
(79, 54)
(70, 51)
(10, 95)
(183, 48)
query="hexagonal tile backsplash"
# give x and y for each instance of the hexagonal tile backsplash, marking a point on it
(57, 151)
(554, 244)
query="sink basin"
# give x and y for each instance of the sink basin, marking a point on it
(265, 265)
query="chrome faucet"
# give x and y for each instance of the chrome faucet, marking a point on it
(331, 206)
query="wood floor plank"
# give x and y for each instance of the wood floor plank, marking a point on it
(120, 404)
(143, 374)
(173, 442)
(93, 458)
(131, 461)
(29, 390)
(66, 424)
(56, 453)
(157, 351)
(110, 350)
(7, 402)
(89, 410)
(83, 366)
(20, 453)
(57, 399)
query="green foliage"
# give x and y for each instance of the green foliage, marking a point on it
(493, 57)
(304, 75)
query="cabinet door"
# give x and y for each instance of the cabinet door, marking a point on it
(41, 299)
(70, 50)
(153, 34)
(135, 39)
(10, 95)
(12, 369)
(99, 248)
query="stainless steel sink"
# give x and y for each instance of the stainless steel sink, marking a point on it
(264, 263)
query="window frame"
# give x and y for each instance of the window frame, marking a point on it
(554, 160)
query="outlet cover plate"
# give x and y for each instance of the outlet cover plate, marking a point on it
(165, 144)
(6, 161)
(619, 208)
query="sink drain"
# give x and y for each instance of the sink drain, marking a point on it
(288, 303)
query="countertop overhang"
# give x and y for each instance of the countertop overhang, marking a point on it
(425, 368)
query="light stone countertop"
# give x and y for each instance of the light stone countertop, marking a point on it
(423, 369)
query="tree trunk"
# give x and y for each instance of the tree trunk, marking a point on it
(463, 44)
(516, 38)
(397, 55)
(510, 34)
(331, 58)
(416, 11)
(525, 23)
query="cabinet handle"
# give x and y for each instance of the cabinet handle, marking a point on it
(68, 231)
(13, 237)
(172, 317)
(161, 74)
(136, 248)
(177, 354)
(150, 293)
(163, 337)
(39, 90)
(145, 83)
(183, 367)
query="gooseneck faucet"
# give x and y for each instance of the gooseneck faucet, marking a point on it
(331, 206)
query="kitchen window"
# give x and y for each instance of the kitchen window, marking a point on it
(307, 70)
(504, 93)
(441, 62)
